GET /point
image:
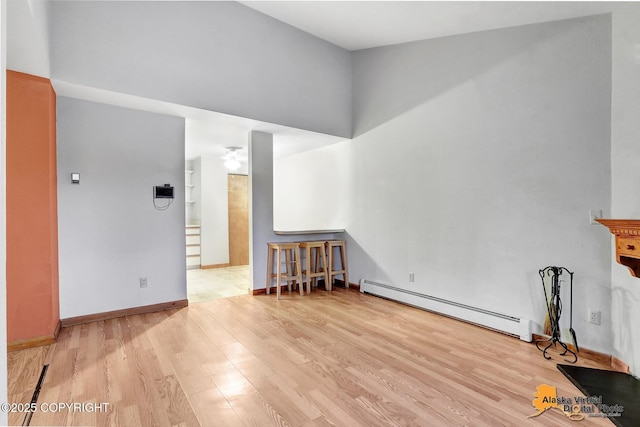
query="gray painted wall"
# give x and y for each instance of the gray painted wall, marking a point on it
(219, 56)
(260, 204)
(477, 160)
(110, 234)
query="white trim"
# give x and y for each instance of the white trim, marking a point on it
(511, 325)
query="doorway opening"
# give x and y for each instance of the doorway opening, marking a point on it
(217, 230)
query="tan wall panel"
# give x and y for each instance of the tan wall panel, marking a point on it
(238, 219)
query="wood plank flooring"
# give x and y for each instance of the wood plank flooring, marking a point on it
(336, 358)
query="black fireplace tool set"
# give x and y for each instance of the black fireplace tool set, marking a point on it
(554, 310)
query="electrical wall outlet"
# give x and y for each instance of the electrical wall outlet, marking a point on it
(143, 282)
(595, 316)
(411, 277)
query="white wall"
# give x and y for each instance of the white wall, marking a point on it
(477, 160)
(28, 31)
(197, 190)
(192, 212)
(109, 232)
(214, 212)
(219, 56)
(309, 189)
(625, 158)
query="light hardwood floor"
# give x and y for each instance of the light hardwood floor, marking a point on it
(333, 358)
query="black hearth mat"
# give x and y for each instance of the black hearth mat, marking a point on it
(615, 388)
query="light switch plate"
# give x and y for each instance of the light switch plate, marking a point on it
(593, 214)
(75, 178)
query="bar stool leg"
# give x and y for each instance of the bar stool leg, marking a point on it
(298, 269)
(307, 264)
(330, 267)
(323, 255)
(269, 268)
(278, 271)
(288, 266)
(343, 259)
(313, 264)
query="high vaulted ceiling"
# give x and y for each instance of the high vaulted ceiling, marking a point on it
(357, 25)
(352, 25)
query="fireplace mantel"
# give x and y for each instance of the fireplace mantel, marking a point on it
(627, 232)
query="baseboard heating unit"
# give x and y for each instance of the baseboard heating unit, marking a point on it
(510, 325)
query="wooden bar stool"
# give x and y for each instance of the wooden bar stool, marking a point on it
(314, 254)
(341, 245)
(292, 270)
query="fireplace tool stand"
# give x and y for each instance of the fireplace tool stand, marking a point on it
(554, 310)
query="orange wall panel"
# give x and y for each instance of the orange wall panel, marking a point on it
(32, 223)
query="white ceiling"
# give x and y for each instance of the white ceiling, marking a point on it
(357, 25)
(352, 25)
